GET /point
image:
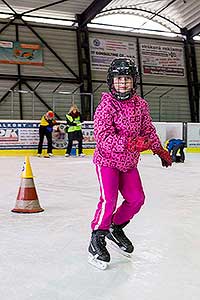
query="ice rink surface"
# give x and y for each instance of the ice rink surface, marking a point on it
(44, 255)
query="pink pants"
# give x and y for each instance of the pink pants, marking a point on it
(111, 181)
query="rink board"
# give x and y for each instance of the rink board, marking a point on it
(21, 137)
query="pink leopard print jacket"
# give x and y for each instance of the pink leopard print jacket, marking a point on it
(116, 121)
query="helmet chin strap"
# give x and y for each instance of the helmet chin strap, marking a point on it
(122, 96)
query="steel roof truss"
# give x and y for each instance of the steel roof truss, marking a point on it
(42, 7)
(8, 5)
(91, 11)
(194, 31)
(52, 50)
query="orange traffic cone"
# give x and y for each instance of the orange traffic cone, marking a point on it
(27, 199)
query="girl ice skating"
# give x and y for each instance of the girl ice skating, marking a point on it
(122, 129)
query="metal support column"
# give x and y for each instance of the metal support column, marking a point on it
(19, 76)
(140, 68)
(192, 77)
(84, 70)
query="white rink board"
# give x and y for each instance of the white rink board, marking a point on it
(167, 131)
(193, 135)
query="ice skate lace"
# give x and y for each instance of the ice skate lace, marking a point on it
(102, 244)
(102, 240)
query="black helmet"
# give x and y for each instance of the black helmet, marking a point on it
(126, 67)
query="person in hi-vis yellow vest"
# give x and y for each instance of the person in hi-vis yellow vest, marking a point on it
(46, 127)
(74, 120)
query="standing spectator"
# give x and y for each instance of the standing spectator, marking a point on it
(46, 127)
(74, 120)
(122, 129)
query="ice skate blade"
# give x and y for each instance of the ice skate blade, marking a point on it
(114, 246)
(99, 264)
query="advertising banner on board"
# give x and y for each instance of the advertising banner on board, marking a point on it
(103, 51)
(25, 135)
(19, 134)
(162, 60)
(21, 53)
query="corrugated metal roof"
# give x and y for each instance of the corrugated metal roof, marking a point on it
(183, 13)
(66, 9)
(174, 14)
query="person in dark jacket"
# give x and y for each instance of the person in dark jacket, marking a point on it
(175, 148)
(46, 127)
(74, 120)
